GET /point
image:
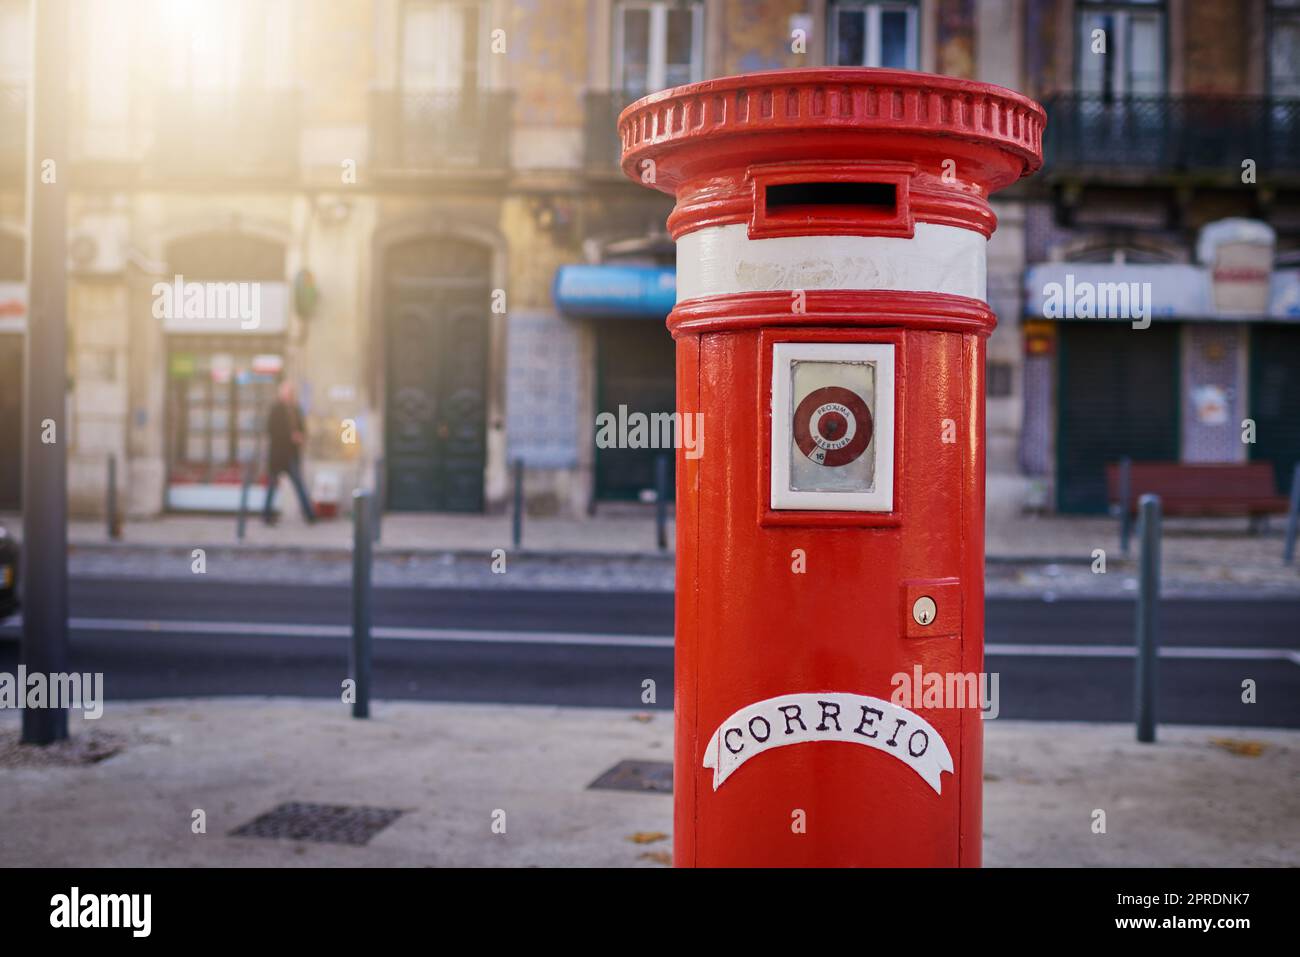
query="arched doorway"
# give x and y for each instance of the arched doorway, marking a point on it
(221, 377)
(437, 303)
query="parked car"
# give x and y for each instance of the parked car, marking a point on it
(8, 574)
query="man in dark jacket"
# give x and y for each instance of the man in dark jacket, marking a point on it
(284, 427)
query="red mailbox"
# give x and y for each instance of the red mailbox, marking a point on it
(831, 227)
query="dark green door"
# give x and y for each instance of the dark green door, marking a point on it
(435, 441)
(636, 367)
(1275, 398)
(1117, 395)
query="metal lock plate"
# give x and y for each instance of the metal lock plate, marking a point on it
(931, 607)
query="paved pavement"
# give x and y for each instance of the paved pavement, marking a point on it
(1028, 555)
(630, 529)
(125, 790)
(1069, 659)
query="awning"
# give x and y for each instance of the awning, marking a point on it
(616, 292)
(1078, 290)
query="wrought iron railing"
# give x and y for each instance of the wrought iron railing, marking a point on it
(1172, 134)
(226, 134)
(429, 131)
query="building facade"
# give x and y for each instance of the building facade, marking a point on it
(1170, 182)
(425, 196)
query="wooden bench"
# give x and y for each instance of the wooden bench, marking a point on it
(1201, 489)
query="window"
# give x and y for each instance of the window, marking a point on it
(440, 46)
(657, 45)
(1284, 49)
(1133, 63)
(219, 389)
(103, 74)
(221, 45)
(13, 42)
(874, 34)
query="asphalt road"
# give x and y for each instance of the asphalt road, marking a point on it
(1063, 660)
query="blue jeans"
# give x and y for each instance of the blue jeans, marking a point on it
(295, 476)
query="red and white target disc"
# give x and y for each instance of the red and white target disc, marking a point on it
(832, 426)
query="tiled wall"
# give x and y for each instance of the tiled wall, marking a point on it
(543, 386)
(1213, 392)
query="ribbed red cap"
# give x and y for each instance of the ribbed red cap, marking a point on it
(834, 114)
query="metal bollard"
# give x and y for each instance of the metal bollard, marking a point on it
(359, 654)
(114, 520)
(1125, 497)
(517, 510)
(1292, 517)
(243, 498)
(1148, 616)
(380, 498)
(661, 502)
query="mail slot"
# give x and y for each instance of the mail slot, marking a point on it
(864, 199)
(830, 328)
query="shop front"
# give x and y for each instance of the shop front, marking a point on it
(221, 381)
(218, 392)
(1169, 362)
(626, 306)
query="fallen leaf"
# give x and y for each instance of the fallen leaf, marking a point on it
(1244, 749)
(659, 857)
(647, 837)
(642, 716)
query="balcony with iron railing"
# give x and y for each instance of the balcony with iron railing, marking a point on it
(602, 149)
(1139, 139)
(427, 131)
(244, 135)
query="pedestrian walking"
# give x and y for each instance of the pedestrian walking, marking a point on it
(286, 430)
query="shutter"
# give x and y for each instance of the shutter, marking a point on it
(1117, 395)
(1275, 398)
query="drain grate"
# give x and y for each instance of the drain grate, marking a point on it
(654, 776)
(326, 823)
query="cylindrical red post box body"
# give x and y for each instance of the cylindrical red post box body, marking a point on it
(830, 327)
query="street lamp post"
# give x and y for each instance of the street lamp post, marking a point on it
(45, 435)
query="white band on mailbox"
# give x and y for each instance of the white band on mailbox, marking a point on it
(723, 260)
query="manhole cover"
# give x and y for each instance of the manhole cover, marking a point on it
(654, 776)
(327, 823)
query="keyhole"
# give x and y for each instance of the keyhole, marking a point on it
(924, 610)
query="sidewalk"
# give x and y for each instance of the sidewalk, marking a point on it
(124, 791)
(1049, 556)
